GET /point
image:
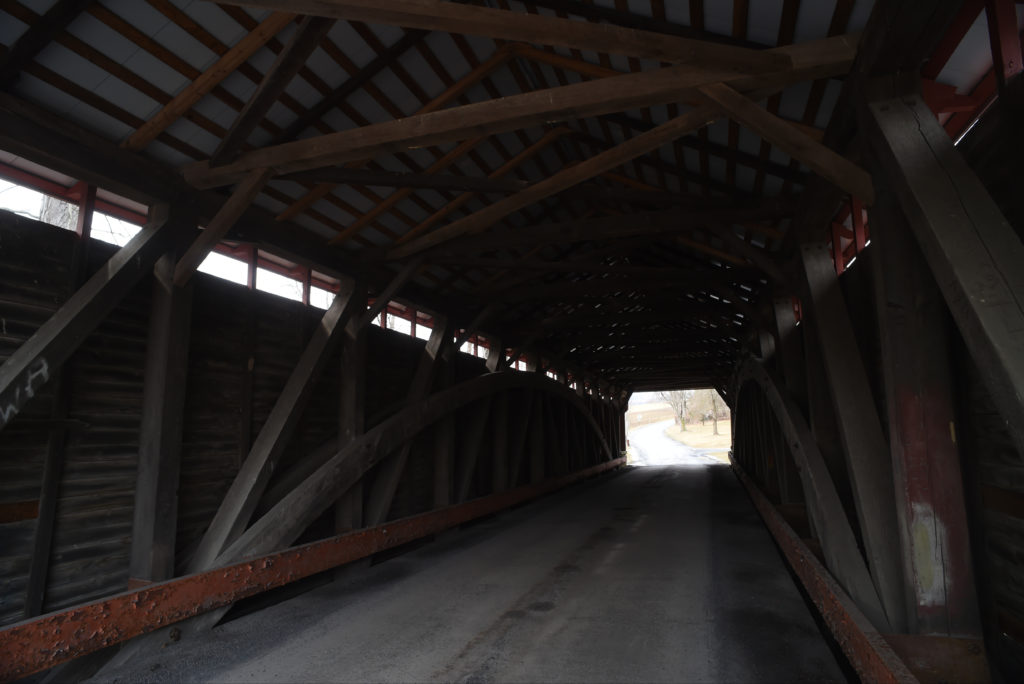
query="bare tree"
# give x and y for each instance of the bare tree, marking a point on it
(714, 410)
(678, 400)
(59, 213)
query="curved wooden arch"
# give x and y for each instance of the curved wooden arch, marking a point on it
(286, 520)
(838, 543)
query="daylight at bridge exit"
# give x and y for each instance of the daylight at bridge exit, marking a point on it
(507, 340)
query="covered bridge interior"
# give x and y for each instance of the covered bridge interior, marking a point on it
(501, 219)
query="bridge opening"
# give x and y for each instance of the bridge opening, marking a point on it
(691, 426)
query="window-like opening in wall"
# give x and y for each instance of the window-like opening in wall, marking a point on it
(399, 324)
(113, 230)
(423, 330)
(223, 266)
(275, 283)
(320, 298)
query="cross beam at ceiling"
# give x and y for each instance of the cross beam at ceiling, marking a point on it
(437, 15)
(819, 59)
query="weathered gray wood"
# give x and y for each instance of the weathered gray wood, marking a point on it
(444, 446)
(867, 454)
(343, 175)
(537, 441)
(42, 355)
(382, 491)
(524, 420)
(53, 465)
(232, 210)
(471, 448)
(348, 514)
(500, 444)
(495, 356)
(973, 252)
(919, 386)
(834, 532)
(818, 59)
(291, 516)
(404, 275)
(242, 497)
(290, 60)
(155, 518)
(789, 345)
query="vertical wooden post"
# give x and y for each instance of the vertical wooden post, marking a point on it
(537, 443)
(307, 285)
(470, 447)
(384, 486)
(525, 422)
(163, 406)
(915, 328)
(867, 455)
(495, 356)
(53, 466)
(444, 443)
(348, 513)
(499, 471)
(789, 343)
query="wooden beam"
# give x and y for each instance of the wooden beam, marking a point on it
(382, 491)
(471, 448)
(820, 59)
(41, 356)
(308, 34)
(38, 36)
(519, 159)
(352, 412)
(155, 521)
(566, 178)
(918, 365)
(481, 71)
(343, 175)
(409, 40)
(241, 498)
(500, 443)
(445, 487)
(216, 229)
(56, 444)
(974, 254)
(867, 454)
(533, 28)
(819, 158)
(596, 229)
(380, 301)
(208, 80)
(382, 207)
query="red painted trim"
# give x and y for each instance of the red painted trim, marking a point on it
(859, 234)
(72, 194)
(35, 645)
(951, 40)
(1003, 38)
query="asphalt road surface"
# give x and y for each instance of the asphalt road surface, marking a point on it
(651, 446)
(661, 573)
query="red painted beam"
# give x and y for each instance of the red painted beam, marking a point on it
(1003, 38)
(951, 40)
(866, 649)
(35, 645)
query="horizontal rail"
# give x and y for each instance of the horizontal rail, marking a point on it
(866, 649)
(34, 645)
